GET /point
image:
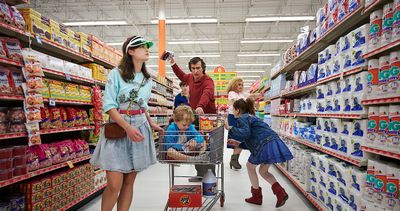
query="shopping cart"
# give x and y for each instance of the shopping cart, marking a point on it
(212, 130)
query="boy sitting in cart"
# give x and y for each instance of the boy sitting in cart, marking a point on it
(182, 141)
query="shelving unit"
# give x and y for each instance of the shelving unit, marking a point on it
(6, 61)
(380, 101)
(11, 97)
(41, 171)
(68, 102)
(321, 149)
(383, 50)
(61, 75)
(311, 53)
(300, 186)
(339, 116)
(381, 152)
(83, 197)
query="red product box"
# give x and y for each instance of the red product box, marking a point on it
(185, 196)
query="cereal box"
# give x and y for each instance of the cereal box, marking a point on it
(36, 23)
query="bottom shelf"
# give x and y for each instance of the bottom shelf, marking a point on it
(83, 197)
(301, 188)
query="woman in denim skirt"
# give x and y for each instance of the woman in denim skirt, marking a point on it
(127, 92)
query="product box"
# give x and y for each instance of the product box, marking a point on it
(56, 89)
(36, 23)
(97, 48)
(72, 90)
(85, 93)
(59, 33)
(74, 40)
(86, 44)
(185, 196)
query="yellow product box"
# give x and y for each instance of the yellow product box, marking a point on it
(85, 93)
(74, 40)
(36, 23)
(72, 91)
(86, 44)
(59, 33)
(95, 69)
(56, 89)
(45, 89)
(97, 47)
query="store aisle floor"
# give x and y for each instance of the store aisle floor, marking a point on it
(151, 190)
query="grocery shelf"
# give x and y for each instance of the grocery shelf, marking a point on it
(16, 2)
(378, 101)
(68, 102)
(7, 61)
(301, 187)
(383, 50)
(305, 89)
(339, 116)
(41, 171)
(163, 84)
(46, 46)
(11, 97)
(157, 104)
(83, 198)
(103, 62)
(63, 130)
(381, 152)
(310, 55)
(321, 149)
(100, 83)
(157, 92)
(378, 4)
(13, 135)
(62, 75)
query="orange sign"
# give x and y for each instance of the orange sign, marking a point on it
(219, 69)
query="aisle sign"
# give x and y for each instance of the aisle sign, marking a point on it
(221, 78)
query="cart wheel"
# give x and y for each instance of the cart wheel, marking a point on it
(222, 200)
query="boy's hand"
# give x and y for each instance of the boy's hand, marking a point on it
(191, 145)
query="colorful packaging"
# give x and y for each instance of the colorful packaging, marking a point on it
(86, 44)
(394, 128)
(396, 20)
(387, 24)
(384, 69)
(375, 31)
(394, 74)
(59, 33)
(383, 125)
(37, 23)
(74, 40)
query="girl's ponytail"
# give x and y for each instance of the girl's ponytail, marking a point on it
(251, 109)
(245, 106)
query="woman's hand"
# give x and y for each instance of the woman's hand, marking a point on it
(134, 134)
(157, 128)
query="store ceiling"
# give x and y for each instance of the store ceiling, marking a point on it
(230, 29)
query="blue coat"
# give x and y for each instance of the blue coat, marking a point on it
(253, 131)
(180, 100)
(171, 137)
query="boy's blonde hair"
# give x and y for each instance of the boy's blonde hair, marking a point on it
(183, 113)
(233, 84)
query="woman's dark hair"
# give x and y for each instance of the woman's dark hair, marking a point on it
(183, 84)
(245, 106)
(126, 64)
(195, 60)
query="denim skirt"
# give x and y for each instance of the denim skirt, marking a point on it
(124, 155)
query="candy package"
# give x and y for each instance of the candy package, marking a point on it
(55, 118)
(33, 115)
(13, 49)
(32, 160)
(5, 14)
(34, 84)
(33, 100)
(17, 18)
(17, 79)
(5, 84)
(45, 114)
(34, 138)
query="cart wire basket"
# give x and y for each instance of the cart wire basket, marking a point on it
(204, 147)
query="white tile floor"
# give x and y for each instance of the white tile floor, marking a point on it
(151, 190)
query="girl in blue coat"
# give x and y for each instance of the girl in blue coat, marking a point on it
(265, 147)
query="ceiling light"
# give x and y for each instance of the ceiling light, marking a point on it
(258, 54)
(249, 76)
(253, 64)
(205, 55)
(266, 41)
(95, 23)
(187, 20)
(287, 18)
(115, 43)
(189, 42)
(250, 71)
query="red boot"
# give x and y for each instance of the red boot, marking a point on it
(280, 193)
(256, 197)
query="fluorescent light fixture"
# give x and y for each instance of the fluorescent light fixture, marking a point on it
(250, 71)
(187, 20)
(249, 76)
(255, 64)
(282, 18)
(115, 43)
(259, 54)
(204, 55)
(266, 41)
(190, 42)
(95, 23)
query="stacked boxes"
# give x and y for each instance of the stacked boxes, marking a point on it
(36, 23)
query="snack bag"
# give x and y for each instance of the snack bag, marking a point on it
(55, 118)
(45, 114)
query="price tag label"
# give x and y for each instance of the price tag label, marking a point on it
(52, 102)
(38, 39)
(70, 164)
(68, 76)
